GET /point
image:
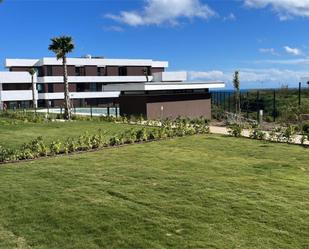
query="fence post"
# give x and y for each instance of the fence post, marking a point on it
(247, 104)
(257, 105)
(299, 93)
(274, 106)
(108, 113)
(91, 111)
(229, 102)
(116, 111)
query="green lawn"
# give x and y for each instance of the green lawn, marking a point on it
(14, 135)
(193, 192)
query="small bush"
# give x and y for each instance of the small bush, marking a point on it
(7, 154)
(115, 141)
(257, 133)
(235, 129)
(55, 147)
(141, 135)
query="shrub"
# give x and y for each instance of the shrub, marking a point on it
(114, 141)
(129, 136)
(7, 154)
(289, 133)
(71, 145)
(235, 129)
(97, 141)
(25, 154)
(153, 134)
(304, 138)
(55, 147)
(36, 147)
(305, 128)
(141, 135)
(257, 133)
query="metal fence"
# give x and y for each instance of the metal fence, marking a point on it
(83, 111)
(276, 104)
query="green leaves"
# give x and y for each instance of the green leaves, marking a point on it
(61, 46)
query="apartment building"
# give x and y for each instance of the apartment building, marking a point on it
(138, 87)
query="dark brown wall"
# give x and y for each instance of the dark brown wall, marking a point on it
(173, 109)
(131, 105)
(12, 87)
(60, 87)
(20, 69)
(112, 71)
(60, 103)
(191, 105)
(58, 71)
(157, 70)
(135, 71)
(91, 70)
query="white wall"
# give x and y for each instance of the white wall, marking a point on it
(15, 77)
(170, 76)
(17, 95)
(79, 95)
(95, 79)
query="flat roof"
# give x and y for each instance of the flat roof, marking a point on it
(155, 86)
(84, 62)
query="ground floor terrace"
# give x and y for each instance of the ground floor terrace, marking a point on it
(156, 104)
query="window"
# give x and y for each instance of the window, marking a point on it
(49, 71)
(100, 71)
(40, 88)
(123, 71)
(50, 88)
(77, 71)
(93, 87)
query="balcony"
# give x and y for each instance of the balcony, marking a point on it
(17, 95)
(170, 77)
(94, 79)
(15, 77)
(79, 95)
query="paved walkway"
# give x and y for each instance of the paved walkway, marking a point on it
(246, 133)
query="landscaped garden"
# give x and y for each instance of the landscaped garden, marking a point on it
(200, 191)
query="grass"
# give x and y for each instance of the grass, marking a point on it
(193, 192)
(15, 133)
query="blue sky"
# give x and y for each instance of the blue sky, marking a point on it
(267, 40)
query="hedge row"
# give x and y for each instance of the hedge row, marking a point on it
(39, 148)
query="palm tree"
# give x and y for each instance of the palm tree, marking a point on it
(146, 73)
(236, 84)
(61, 46)
(32, 72)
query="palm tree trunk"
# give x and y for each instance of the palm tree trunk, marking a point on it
(67, 107)
(34, 104)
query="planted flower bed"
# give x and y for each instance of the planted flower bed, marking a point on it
(161, 130)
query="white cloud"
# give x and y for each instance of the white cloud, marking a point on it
(251, 77)
(157, 12)
(292, 51)
(299, 62)
(206, 75)
(230, 17)
(114, 28)
(285, 9)
(268, 51)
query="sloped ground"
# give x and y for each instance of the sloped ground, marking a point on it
(193, 192)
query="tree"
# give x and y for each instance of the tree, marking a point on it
(236, 85)
(146, 73)
(61, 46)
(32, 72)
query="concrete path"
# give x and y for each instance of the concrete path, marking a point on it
(246, 133)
